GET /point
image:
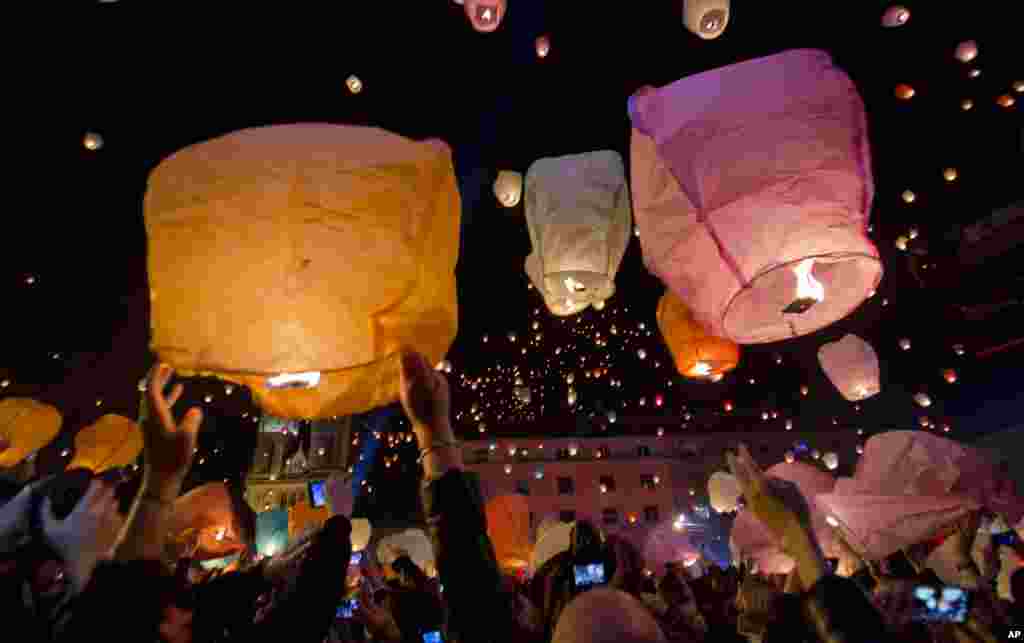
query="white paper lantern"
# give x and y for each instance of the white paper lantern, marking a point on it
(852, 366)
(895, 16)
(508, 188)
(706, 18)
(354, 84)
(831, 460)
(578, 215)
(92, 141)
(922, 400)
(724, 491)
(361, 532)
(966, 51)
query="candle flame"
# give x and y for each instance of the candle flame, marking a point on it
(701, 369)
(294, 380)
(807, 287)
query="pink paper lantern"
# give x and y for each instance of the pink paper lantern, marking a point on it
(852, 366)
(485, 15)
(752, 188)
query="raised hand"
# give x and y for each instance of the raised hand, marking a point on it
(426, 400)
(169, 445)
(777, 503)
(87, 534)
(378, 621)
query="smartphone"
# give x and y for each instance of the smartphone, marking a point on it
(318, 493)
(941, 604)
(357, 558)
(1008, 538)
(589, 575)
(347, 608)
(433, 636)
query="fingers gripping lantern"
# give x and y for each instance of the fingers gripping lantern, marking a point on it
(299, 259)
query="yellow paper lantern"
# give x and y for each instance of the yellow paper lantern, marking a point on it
(112, 441)
(25, 426)
(354, 84)
(508, 188)
(949, 174)
(299, 260)
(697, 353)
(706, 18)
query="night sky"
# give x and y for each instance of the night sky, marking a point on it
(73, 276)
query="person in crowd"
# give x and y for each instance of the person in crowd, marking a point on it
(682, 620)
(607, 616)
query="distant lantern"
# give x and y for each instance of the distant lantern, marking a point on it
(908, 196)
(361, 532)
(313, 206)
(830, 460)
(512, 337)
(922, 400)
(577, 248)
(1006, 101)
(659, 400)
(641, 353)
(508, 188)
(895, 16)
(706, 18)
(860, 449)
(966, 104)
(571, 397)
(966, 51)
(901, 242)
(959, 349)
(728, 406)
(110, 442)
(443, 366)
(852, 366)
(974, 73)
(816, 454)
(696, 221)
(208, 398)
(1018, 86)
(789, 425)
(924, 421)
(543, 46)
(697, 354)
(508, 469)
(949, 375)
(724, 492)
(661, 431)
(804, 390)
(904, 91)
(765, 415)
(92, 141)
(612, 417)
(950, 174)
(790, 457)
(485, 15)
(229, 389)
(354, 84)
(25, 427)
(904, 344)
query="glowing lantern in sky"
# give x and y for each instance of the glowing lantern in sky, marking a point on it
(361, 532)
(696, 353)
(905, 344)
(790, 457)
(895, 16)
(1006, 101)
(852, 366)
(508, 525)
(25, 427)
(485, 15)
(746, 275)
(904, 91)
(966, 51)
(543, 46)
(949, 375)
(706, 18)
(728, 406)
(578, 215)
(112, 441)
(92, 141)
(908, 196)
(830, 460)
(354, 84)
(949, 174)
(922, 400)
(508, 188)
(299, 259)
(724, 491)
(966, 104)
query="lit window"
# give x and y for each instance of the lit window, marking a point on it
(608, 483)
(647, 482)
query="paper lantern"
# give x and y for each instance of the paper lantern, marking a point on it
(852, 366)
(706, 18)
(904, 91)
(696, 353)
(543, 46)
(974, 73)
(578, 215)
(908, 196)
(966, 104)
(830, 460)
(508, 188)
(1006, 101)
(895, 16)
(966, 51)
(219, 521)
(508, 525)
(413, 543)
(92, 141)
(949, 375)
(552, 540)
(724, 491)
(299, 259)
(485, 15)
(777, 247)
(25, 426)
(922, 400)
(361, 532)
(112, 441)
(790, 457)
(950, 174)
(354, 84)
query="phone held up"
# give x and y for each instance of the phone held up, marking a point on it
(941, 604)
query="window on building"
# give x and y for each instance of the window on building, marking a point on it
(643, 451)
(523, 487)
(562, 454)
(603, 452)
(608, 482)
(651, 514)
(482, 455)
(647, 482)
(610, 516)
(566, 487)
(567, 516)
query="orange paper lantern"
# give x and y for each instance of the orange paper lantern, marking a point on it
(112, 441)
(209, 515)
(25, 427)
(508, 525)
(303, 517)
(298, 260)
(696, 353)
(904, 91)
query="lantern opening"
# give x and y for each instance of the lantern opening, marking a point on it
(486, 14)
(294, 380)
(809, 291)
(701, 369)
(712, 21)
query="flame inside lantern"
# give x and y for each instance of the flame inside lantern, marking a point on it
(294, 380)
